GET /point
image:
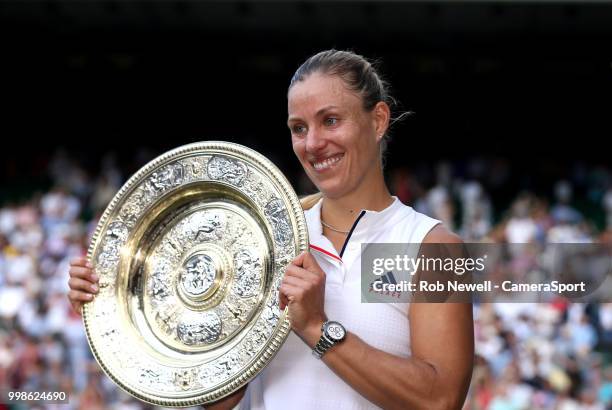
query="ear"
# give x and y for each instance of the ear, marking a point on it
(382, 115)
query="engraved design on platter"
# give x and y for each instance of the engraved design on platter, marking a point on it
(248, 273)
(226, 169)
(133, 207)
(258, 189)
(204, 227)
(195, 168)
(185, 379)
(198, 275)
(277, 215)
(210, 261)
(158, 286)
(114, 239)
(199, 328)
(167, 177)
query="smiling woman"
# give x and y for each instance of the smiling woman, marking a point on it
(338, 115)
(335, 138)
(339, 350)
(321, 111)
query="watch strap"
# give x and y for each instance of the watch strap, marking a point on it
(321, 347)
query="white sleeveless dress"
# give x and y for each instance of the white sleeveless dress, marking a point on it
(294, 379)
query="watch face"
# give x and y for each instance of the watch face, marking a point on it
(335, 331)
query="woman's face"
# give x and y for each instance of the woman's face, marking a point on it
(333, 136)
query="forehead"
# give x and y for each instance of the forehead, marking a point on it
(320, 90)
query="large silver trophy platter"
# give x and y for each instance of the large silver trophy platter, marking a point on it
(190, 253)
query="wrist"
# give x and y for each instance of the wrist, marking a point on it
(312, 333)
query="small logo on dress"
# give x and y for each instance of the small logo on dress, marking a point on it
(385, 278)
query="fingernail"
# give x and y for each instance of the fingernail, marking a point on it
(94, 277)
(94, 288)
(89, 265)
(89, 296)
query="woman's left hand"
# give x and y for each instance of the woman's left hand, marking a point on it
(303, 290)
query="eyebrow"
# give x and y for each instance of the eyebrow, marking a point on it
(317, 114)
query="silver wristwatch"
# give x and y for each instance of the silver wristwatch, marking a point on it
(332, 333)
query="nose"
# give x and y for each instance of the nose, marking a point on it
(315, 141)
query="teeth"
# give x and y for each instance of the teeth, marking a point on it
(326, 163)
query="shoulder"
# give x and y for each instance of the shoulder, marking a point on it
(408, 225)
(440, 234)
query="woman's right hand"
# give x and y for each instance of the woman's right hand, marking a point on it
(83, 283)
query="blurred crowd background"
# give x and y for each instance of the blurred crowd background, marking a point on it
(553, 355)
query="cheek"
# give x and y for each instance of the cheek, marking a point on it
(369, 143)
(364, 145)
(298, 148)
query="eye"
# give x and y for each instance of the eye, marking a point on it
(329, 121)
(298, 129)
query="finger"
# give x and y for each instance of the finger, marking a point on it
(83, 273)
(298, 259)
(80, 261)
(283, 301)
(298, 282)
(78, 296)
(291, 292)
(81, 284)
(310, 263)
(298, 272)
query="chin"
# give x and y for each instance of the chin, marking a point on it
(332, 186)
(332, 191)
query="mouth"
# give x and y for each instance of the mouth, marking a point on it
(323, 164)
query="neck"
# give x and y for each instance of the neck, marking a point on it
(341, 212)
